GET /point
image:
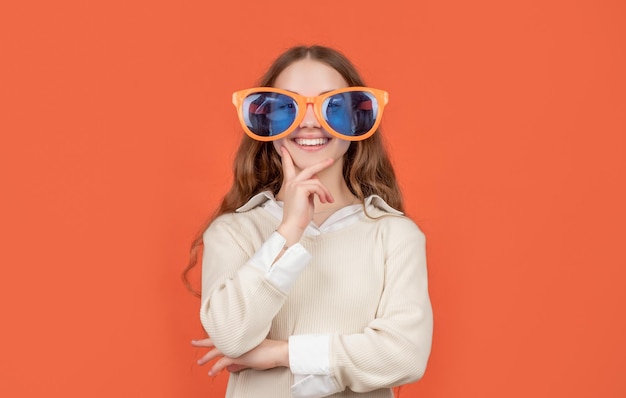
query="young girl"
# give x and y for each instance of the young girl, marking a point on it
(313, 282)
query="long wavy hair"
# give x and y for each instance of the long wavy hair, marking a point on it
(367, 169)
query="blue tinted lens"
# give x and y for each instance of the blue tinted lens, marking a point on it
(267, 113)
(352, 114)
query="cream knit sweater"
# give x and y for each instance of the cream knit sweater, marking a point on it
(365, 285)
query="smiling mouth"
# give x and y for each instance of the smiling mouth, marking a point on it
(311, 141)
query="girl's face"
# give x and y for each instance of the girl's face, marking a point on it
(310, 143)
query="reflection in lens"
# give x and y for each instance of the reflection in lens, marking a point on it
(352, 114)
(268, 113)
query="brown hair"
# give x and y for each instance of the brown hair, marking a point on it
(257, 167)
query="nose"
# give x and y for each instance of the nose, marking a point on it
(309, 120)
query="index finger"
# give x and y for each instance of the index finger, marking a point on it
(202, 343)
(310, 171)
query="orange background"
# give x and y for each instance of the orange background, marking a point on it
(506, 122)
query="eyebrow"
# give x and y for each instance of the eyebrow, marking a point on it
(323, 92)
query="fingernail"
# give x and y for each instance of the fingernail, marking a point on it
(210, 373)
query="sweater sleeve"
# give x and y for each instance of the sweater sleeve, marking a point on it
(394, 348)
(242, 292)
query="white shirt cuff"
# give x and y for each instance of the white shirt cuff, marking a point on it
(309, 361)
(285, 271)
(313, 386)
(309, 354)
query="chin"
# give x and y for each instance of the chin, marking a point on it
(306, 156)
(302, 162)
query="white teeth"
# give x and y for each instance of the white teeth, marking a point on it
(311, 142)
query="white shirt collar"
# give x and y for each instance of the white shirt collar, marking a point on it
(264, 196)
(339, 219)
(256, 200)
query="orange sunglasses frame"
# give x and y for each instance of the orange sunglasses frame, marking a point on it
(238, 96)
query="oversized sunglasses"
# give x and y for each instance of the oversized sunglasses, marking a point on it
(351, 113)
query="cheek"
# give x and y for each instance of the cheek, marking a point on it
(278, 144)
(343, 146)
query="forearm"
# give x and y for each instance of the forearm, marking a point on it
(376, 359)
(238, 316)
(384, 355)
(237, 309)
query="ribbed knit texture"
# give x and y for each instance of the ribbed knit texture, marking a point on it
(366, 285)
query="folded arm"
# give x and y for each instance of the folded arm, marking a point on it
(243, 292)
